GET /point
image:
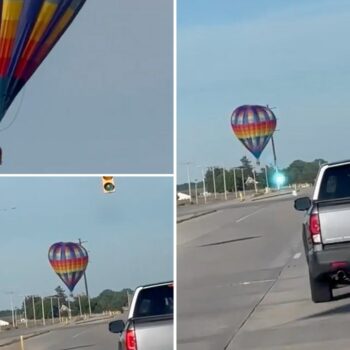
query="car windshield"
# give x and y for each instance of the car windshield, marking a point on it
(155, 301)
(335, 183)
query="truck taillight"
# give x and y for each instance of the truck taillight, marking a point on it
(130, 339)
(315, 228)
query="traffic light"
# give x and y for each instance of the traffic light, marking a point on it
(108, 184)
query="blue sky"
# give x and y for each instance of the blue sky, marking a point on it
(293, 56)
(129, 233)
(102, 100)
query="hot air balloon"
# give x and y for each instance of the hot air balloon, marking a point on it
(69, 260)
(254, 126)
(29, 29)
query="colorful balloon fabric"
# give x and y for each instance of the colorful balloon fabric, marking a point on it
(69, 260)
(253, 126)
(29, 29)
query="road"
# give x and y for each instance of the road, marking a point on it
(242, 283)
(87, 336)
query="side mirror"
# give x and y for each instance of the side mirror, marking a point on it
(302, 204)
(117, 326)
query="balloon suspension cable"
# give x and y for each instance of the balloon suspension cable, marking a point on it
(17, 111)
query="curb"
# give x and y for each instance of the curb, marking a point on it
(196, 216)
(25, 337)
(272, 196)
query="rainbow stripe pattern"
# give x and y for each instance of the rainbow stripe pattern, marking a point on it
(29, 29)
(69, 260)
(253, 125)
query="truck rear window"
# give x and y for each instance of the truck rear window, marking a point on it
(155, 301)
(335, 183)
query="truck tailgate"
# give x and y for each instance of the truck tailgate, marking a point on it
(154, 333)
(335, 221)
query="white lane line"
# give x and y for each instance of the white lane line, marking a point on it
(255, 282)
(297, 256)
(247, 216)
(80, 333)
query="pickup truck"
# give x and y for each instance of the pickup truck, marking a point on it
(326, 230)
(150, 321)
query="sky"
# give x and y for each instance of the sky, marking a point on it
(291, 55)
(128, 233)
(102, 101)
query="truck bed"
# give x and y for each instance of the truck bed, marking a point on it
(154, 332)
(334, 220)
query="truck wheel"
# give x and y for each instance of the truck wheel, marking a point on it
(321, 290)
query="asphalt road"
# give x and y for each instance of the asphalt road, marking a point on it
(242, 284)
(87, 336)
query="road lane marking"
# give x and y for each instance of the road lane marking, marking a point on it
(247, 216)
(297, 256)
(80, 333)
(246, 283)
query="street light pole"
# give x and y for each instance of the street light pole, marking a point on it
(189, 180)
(43, 310)
(243, 185)
(81, 313)
(214, 183)
(255, 186)
(204, 191)
(195, 182)
(25, 311)
(224, 176)
(86, 285)
(34, 315)
(235, 181)
(13, 312)
(59, 309)
(52, 315)
(267, 179)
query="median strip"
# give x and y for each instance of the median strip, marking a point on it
(179, 221)
(24, 337)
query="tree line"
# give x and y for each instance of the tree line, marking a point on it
(297, 172)
(107, 300)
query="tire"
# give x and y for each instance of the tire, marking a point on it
(321, 290)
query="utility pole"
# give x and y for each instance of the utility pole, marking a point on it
(86, 284)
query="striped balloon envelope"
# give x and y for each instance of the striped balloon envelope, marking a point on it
(69, 260)
(253, 125)
(29, 29)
